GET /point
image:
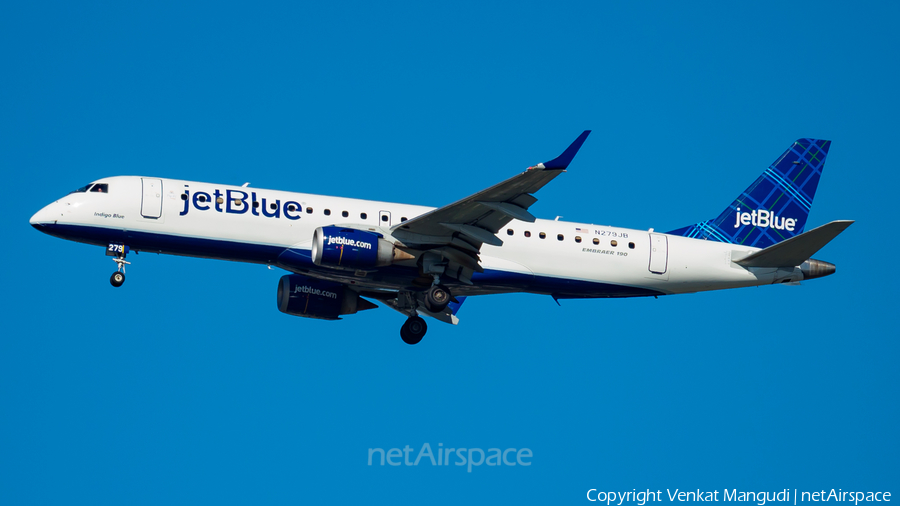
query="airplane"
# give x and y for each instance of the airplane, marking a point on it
(342, 253)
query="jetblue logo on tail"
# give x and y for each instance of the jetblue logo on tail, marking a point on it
(764, 219)
(758, 217)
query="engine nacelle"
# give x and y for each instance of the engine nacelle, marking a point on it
(315, 298)
(349, 248)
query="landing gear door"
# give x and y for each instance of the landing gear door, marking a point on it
(151, 203)
(659, 254)
(384, 218)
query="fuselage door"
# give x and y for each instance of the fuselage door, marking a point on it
(384, 218)
(151, 201)
(659, 253)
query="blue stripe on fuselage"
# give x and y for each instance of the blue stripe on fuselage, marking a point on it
(300, 259)
(166, 243)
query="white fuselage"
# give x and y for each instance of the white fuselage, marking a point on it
(564, 259)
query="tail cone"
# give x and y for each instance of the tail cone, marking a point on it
(816, 269)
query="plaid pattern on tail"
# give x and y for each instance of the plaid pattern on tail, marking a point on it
(776, 205)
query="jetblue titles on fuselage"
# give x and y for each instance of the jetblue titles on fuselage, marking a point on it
(238, 205)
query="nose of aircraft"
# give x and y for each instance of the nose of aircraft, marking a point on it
(46, 215)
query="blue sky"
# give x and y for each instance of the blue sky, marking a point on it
(188, 385)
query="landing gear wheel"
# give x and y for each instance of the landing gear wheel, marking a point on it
(117, 279)
(413, 330)
(436, 298)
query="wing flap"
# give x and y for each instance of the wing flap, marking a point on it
(477, 233)
(512, 210)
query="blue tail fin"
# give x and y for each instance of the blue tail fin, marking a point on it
(775, 206)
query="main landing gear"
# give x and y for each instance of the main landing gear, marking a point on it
(413, 330)
(435, 300)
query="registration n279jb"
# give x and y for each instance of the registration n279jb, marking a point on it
(341, 253)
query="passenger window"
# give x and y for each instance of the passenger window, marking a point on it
(220, 200)
(559, 237)
(255, 204)
(201, 198)
(402, 219)
(184, 196)
(613, 243)
(577, 238)
(509, 231)
(542, 235)
(631, 245)
(527, 234)
(345, 214)
(383, 217)
(308, 210)
(100, 188)
(237, 203)
(363, 215)
(291, 207)
(596, 241)
(327, 212)
(273, 207)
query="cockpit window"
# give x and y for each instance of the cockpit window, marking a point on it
(100, 188)
(83, 188)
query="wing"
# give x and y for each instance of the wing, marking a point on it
(463, 226)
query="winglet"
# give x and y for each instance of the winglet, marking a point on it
(562, 161)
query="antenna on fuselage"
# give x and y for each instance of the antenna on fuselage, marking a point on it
(245, 184)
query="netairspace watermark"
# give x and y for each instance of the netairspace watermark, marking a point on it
(642, 497)
(467, 457)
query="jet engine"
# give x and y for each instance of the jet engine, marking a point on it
(315, 298)
(349, 248)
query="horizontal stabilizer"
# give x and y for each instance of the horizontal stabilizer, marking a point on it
(796, 250)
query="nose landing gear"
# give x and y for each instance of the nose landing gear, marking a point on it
(118, 252)
(117, 279)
